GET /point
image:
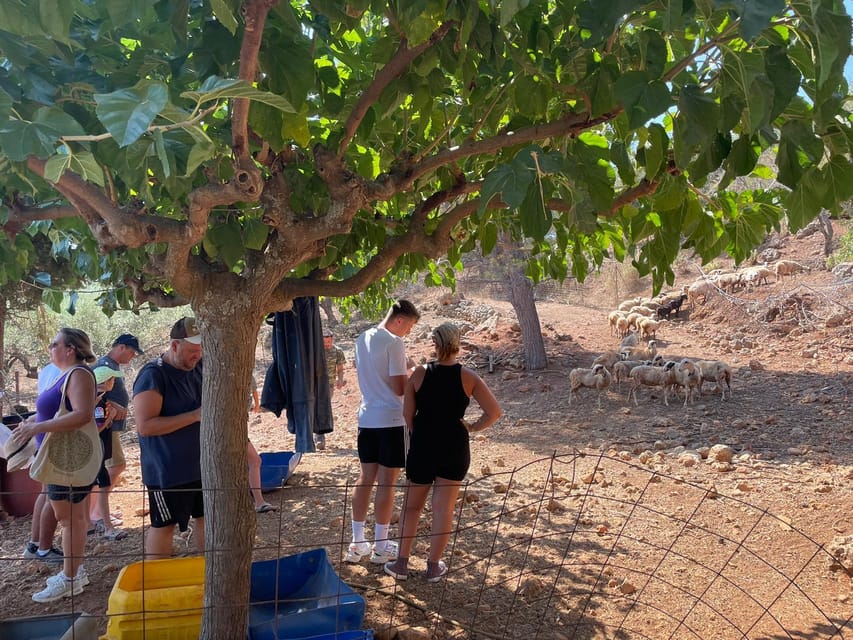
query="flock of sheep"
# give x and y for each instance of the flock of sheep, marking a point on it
(731, 281)
(638, 319)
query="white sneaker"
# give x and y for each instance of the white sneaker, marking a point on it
(82, 576)
(384, 553)
(59, 587)
(356, 551)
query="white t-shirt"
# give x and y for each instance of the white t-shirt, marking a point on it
(379, 355)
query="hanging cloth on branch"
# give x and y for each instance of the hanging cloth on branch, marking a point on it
(296, 381)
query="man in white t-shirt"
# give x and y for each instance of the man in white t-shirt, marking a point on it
(380, 361)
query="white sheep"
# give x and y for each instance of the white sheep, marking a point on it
(729, 282)
(622, 370)
(612, 319)
(651, 377)
(622, 327)
(632, 318)
(632, 339)
(755, 276)
(596, 378)
(627, 304)
(700, 289)
(641, 353)
(784, 268)
(687, 375)
(608, 359)
(642, 310)
(648, 328)
(717, 372)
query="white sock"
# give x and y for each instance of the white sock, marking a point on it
(358, 531)
(381, 535)
(43, 552)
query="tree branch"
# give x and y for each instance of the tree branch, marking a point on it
(394, 68)
(570, 125)
(155, 295)
(254, 16)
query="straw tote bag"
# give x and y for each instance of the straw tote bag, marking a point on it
(69, 458)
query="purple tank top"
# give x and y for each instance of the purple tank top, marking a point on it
(47, 404)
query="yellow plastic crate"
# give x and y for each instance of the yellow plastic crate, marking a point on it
(157, 599)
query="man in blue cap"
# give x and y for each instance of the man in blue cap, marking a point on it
(125, 348)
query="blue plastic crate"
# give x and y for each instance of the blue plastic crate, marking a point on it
(361, 634)
(301, 596)
(49, 627)
(276, 468)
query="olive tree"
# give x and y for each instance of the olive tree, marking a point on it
(239, 155)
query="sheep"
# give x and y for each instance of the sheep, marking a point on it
(648, 328)
(627, 304)
(729, 282)
(608, 359)
(632, 339)
(613, 319)
(700, 288)
(643, 311)
(787, 268)
(638, 353)
(651, 377)
(675, 303)
(715, 371)
(755, 276)
(623, 368)
(632, 319)
(596, 378)
(622, 327)
(687, 375)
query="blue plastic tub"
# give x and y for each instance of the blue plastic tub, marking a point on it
(49, 627)
(301, 596)
(276, 468)
(361, 634)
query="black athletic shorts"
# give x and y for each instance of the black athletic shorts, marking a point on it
(423, 466)
(385, 446)
(175, 505)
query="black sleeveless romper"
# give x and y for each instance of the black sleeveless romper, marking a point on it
(439, 442)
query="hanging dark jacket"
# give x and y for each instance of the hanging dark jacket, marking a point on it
(296, 381)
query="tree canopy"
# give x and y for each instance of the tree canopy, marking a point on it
(238, 155)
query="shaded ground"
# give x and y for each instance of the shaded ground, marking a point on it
(585, 522)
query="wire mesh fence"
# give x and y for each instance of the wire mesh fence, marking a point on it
(575, 545)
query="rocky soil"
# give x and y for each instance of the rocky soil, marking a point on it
(723, 519)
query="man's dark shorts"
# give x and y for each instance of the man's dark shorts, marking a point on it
(385, 446)
(175, 505)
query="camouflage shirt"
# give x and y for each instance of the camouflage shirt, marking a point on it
(334, 357)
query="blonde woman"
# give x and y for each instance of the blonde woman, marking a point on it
(435, 401)
(69, 352)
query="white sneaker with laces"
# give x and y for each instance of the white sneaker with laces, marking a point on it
(356, 551)
(59, 587)
(384, 553)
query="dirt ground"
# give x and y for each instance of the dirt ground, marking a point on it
(724, 519)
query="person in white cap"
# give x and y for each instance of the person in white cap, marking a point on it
(106, 412)
(167, 406)
(124, 349)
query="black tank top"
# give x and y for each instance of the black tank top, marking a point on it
(441, 401)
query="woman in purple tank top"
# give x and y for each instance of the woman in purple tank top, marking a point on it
(70, 350)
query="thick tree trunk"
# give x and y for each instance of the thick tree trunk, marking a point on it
(521, 298)
(825, 226)
(328, 308)
(229, 339)
(4, 373)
